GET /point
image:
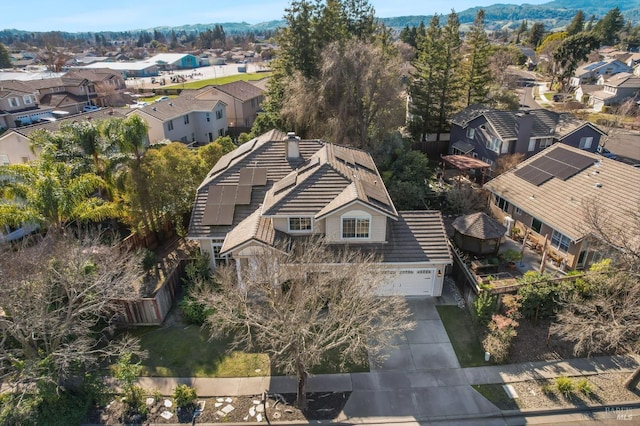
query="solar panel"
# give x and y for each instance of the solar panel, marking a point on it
(222, 164)
(244, 148)
(533, 175)
(216, 214)
(285, 182)
(375, 192)
(243, 195)
(579, 161)
(222, 194)
(253, 176)
(214, 195)
(566, 172)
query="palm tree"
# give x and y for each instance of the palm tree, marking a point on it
(51, 195)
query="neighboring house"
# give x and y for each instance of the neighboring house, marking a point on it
(19, 104)
(615, 90)
(546, 194)
(590, 72)
(15, 146)
(488, 133)
(278, 186)
(583, 93)
(185, 120)
(243, 101)
(126, 69)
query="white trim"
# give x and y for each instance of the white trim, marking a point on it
(357, 215)
(300, 231)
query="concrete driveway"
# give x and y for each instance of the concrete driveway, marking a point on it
(421, 378)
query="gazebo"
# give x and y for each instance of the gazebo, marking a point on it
(478, 233)
(464, 163)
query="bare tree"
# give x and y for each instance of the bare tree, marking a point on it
(507, 162)
(613, 124)
(302, 299)
(59, 298)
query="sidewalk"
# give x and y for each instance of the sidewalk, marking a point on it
(446, 393)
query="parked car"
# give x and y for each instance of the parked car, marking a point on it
(89, 108)
(560, 97)
(8, 234)
(605, 152)
(162, 98)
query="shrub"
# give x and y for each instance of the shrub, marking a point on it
(484, 307)
(193, 311)
(184, 396)
(585, 387)
(565, 385)
(134, 398)
(511, 255)
(546, 389)
(148, 259)
(497, 347)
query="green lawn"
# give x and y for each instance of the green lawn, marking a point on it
(496, 394)
(463, 335)
(187, 352)
(220, 80)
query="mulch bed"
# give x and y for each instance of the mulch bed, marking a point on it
(531, 343)
(279, 407)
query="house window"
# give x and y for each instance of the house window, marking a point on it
(532, 144)
(545, 142)
(559, 241)
(4, 160)
(208, 117)
(471, 132)
(218, 114)
(505, 147)
(28, 100)
(170, 125)
(13, 102)
(493, 144)
(221, 132)
(186, 119)
(299, 224)
(536, 225)
(502, 204)
(356, 227)
(518, 211)
(585, 143)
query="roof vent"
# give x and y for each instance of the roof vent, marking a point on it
(154, 108)
(170, 103)
(598, 185)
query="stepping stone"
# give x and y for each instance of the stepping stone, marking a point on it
(227, 409)
(166, 415)
(220, 413)
(259, 417)
(256, 402)
(260, 409)
(228, 400)
(252, 411)
(510, 391)
(218, 404)
(220, 399)
(150, 401)
(168, 403)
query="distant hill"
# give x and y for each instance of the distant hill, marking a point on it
(554, 14)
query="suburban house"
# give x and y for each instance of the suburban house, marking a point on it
(487, 133)
(19, 104)
(184, 120)
(614, 90)
(278, 186)
(546, 195)
(243, 102)
(15, 146)
(590, 72)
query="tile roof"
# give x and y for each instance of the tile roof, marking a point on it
(624, 79)
(505, 123)
(172, 108)
(241, 90)
(479, 225)
(559, 203)
(52, 126)
(417, 236)
(8, 86)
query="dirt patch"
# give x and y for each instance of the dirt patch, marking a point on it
(238, 409)
(534, 343)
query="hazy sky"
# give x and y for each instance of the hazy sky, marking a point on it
(118, 15)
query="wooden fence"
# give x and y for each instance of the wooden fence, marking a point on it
(433, 149)
(153, 310)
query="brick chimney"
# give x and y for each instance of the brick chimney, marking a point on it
(292, 146)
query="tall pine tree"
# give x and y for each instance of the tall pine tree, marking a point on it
(478, 72)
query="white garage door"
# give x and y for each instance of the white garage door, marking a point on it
(409, 282)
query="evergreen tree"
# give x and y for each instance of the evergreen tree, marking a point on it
(5, 60)
(536, 34)
(571, 52)
(577, 24)
(589, 26)
(450, 88)
(478, 71)
(607, 28)
(424, 84)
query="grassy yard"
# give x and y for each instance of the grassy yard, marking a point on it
(187, 352)
(464, 338)
(496, 394)
(220, 80)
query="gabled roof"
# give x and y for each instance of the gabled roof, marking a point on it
(52, 126)
(546, 123)
(172, 108)
(615, 186)
(334, 177)
(624, 79)
(592, 67)
(12, 86)
(266, 151)
(241, 90)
